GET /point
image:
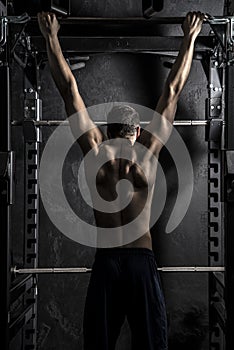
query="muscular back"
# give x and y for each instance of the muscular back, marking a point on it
(126, 199)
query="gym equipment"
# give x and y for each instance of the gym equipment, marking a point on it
(40, 123)
(42, 270)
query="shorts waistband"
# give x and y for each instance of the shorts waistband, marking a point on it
(124, 251)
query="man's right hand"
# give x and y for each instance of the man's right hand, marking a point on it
(193, 24)
(48, 24)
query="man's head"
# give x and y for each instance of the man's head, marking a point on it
(123, 121)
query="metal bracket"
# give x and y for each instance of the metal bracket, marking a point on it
(215, 128)
(3, 33)
(214, 107)
(32, 112)
(215, 104)
(32, 105)
(231, 30)
(77, 62)
(3, 36)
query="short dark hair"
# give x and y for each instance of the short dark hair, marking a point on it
(122, 120)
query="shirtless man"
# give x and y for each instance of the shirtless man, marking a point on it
(124, 280)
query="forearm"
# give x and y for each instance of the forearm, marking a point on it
(166, 107)
(175, 82)
(181, 68)
(60, 70)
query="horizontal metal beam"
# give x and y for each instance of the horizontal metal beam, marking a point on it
(85, 270)
(103, 122)
(93, 26)
(119, 20)
(89, 34)
(79, 21)
(121, 43)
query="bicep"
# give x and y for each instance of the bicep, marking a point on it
(167, 105)
(158, 131)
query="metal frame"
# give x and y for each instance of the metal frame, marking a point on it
(229, 209)
(6, 186)
(216, 115)
(32, 109)
(5, 203)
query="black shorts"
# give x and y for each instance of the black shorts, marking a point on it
(125, 283)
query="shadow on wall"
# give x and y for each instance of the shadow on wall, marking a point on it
(189, 329)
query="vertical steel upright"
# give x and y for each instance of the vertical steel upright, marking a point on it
(215, 116)
(32, 138)
(229, 209)
(5, 210)
(32, 112)
(5, 192)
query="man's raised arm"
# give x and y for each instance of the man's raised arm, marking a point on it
(159, 129)
(66, 84)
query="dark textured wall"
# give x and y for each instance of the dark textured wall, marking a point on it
(137, 79)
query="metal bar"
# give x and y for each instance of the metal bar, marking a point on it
(52, 270)
(122, 43)
(59, 10)
(103, 122)
(193, 269)
(85, 270)
(129, 20)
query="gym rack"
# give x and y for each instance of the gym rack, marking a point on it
(136, 36)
